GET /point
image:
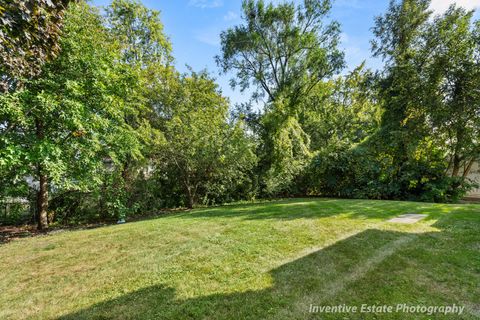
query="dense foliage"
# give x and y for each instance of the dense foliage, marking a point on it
(204, 158)
(284, 51)
(103, 126)
(29, 36)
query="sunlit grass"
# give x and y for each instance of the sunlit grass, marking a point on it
(250, 261)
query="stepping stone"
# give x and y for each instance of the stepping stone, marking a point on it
(408, 218)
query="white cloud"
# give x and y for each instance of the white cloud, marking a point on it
(440, 6)
(230, 16)
(206, 3)
(209, 36)
(356, 51)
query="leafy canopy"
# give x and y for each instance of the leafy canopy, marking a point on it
(29, 36)
(282, 50)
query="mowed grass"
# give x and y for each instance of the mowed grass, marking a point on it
(267, 260)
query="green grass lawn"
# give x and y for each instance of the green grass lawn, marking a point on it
(252, 261)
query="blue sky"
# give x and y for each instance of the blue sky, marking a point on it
(194, 26)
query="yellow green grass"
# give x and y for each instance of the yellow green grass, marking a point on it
(267, 260)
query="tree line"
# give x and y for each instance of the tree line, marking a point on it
(97, 124)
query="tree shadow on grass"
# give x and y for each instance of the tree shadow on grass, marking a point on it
(373, 267)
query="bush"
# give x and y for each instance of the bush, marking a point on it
(361, 172)
(14, 211)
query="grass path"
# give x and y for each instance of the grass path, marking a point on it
(251, 261)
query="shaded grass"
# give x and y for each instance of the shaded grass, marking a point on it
(259, 261)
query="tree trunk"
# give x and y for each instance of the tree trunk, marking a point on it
(191, 198)
(456, 166)
(42, 201)
(126, 177)
(42, 193)
(468, 168)
(102, 205)
(457, 157)
(191, 202)
(191, 193)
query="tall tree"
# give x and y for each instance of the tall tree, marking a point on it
(283, 51)
(146, 50)
(72, 117)
(205, 156)
(428, 93)
(399, 42)
(453, 74)
(140, 33)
